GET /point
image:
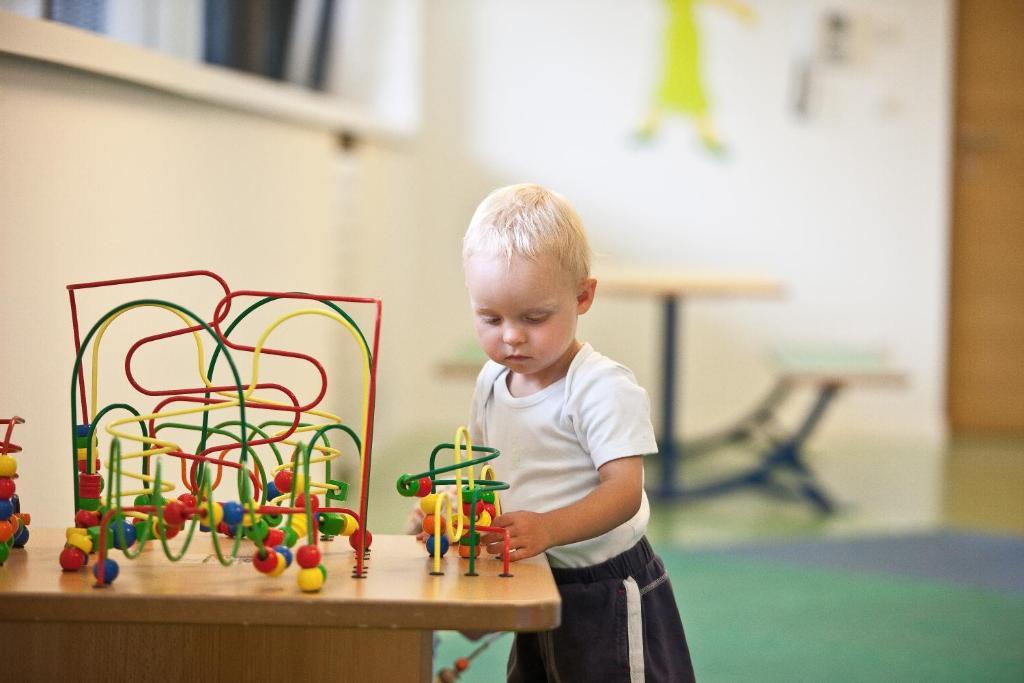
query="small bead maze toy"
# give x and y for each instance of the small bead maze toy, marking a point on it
(277, 502)
(13, 522)
(472, 516)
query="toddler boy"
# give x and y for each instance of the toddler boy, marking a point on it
(572, 426)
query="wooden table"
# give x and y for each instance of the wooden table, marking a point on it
(673, 288)
(197, 620)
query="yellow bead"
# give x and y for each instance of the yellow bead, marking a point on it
(250, 519)
(218, 514)
(299, 525)
(8, 466)
(281, 566)
(74, 531)
(350, 524)
(311, 580)
(483, 519)
(427, 503)
(82, 542)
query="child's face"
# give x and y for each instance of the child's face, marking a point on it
(525, 314)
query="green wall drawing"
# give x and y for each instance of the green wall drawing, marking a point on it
(681, 90)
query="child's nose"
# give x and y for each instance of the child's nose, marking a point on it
(513, 334)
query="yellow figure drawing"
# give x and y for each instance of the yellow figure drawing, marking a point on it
(681, 89)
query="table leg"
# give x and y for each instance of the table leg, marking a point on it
(668, 449)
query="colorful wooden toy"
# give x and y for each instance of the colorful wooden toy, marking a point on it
(229, 419)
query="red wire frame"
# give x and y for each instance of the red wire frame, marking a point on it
(7, 446)
(220, 314)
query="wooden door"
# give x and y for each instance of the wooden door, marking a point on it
(985, 380)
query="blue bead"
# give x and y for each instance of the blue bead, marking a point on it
(21, 538)
(233, 513)
(6, 509)
(110, 570)
(129, 535)
(82, 430)
(16, 502)
(285, 552)
(444, 544)
(272, 491)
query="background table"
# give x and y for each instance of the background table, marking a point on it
(196, 619)
(673, 288)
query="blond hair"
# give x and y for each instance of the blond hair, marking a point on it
(531, 222)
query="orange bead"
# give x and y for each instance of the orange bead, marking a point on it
(464, 551)
(428, 524)
(7, 530)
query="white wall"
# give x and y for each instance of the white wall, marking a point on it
(848, 207)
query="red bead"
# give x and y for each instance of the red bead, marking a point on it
(461, 663)
(425, 486)
(224, 529)
(175, 513)
(308, 556)
(356, 537)
(300, 502)
(72, 559)
(6, 487)
(491, 510)
(479, 507)
(274, 537)
(265, 560)
(170, 531)
(283, 481)
(87, 518)
(188, 500)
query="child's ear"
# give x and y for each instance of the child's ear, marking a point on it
(585, 295)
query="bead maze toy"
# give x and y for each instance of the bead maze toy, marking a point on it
(472, 516)
(13, 522)
(277, 501)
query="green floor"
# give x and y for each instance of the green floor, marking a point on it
(759, 621)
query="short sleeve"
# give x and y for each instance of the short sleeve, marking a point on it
(611, 414)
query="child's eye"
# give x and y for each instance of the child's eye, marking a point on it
(535, 319)
(490, 319)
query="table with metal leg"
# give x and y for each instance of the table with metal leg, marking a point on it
(673, 288)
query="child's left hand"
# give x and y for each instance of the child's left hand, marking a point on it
(529, 535)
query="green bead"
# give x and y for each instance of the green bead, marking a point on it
(487, 497)
(142, 500)
(407, 487)
(91, 504)
(471, 538)
(290, 537)
(258, 531)
(332, 523)
(272, 520)
(94, 534)
(5, 551)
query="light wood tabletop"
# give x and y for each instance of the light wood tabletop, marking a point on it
(381, 623)
(683, 283)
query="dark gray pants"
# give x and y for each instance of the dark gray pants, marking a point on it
(619, 623)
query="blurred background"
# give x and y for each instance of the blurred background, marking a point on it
(863, 159)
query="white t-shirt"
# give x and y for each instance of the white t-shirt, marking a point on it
(553, 441)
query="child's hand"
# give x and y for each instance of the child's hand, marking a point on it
(529, 535)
